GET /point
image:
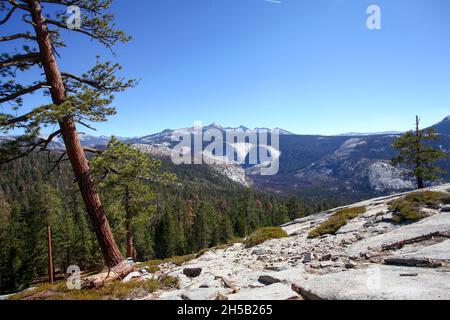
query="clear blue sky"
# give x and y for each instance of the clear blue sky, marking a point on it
(308, 66)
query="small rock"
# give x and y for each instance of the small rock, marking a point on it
(350, 265)
(315, 265)
(445, 208)
(192, 272)
(277, 267)
(307, 257)
(221, 297)
(131, 276)
(143, 271)
(267, 280)
(326, 264)
(326, 257)
(259, 252)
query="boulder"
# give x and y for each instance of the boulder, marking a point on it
(132, 276)
(267, 280)
(192, 272)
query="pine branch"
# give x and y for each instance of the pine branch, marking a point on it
(32, 146)
(20, 59)
(103, 40)
(93, 8)
(23, 118)
(91, 150)
(57, 162)
(91, 83)
(49, 139)
(18, 36)
(8, 15)
(23, 92)
(16, 5)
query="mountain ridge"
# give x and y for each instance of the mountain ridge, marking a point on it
(311, 166)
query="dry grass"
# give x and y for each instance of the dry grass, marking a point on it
(407, 209)
(116, 290)
(178, 261)
(263, 234)
(339, 219)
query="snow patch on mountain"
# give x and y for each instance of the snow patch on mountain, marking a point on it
(349, 146)
(221, 165)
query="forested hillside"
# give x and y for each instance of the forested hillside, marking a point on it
(200, 209)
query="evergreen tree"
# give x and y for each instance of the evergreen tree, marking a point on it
(74, 99)
(295, 209)
(125, 174)
(416, 152)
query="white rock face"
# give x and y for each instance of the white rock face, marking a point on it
(379, 283)
(383, 176)
(349, 146)
(348, 265)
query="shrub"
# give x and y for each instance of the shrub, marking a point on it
(263, 234)
(407, 209)
(339, 219)
(116, 290)
(177, 260)
(169, 282)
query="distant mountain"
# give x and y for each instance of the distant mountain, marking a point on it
(443, 127)
(345, 167)
(361, 134)
(165, 137)
(351, 166)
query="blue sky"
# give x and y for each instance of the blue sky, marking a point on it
(308, 66)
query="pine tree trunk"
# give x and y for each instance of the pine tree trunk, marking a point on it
(50, 255)
(420, 183)
(131, 252)
(75, 152)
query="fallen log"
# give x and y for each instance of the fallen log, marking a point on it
(413, 262)
(400, 244)
(117, 273)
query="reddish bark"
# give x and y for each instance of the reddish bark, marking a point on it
(75, 152)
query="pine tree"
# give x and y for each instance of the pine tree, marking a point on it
(416, 152)
(294, 207)
(125, 174)
(74, 99)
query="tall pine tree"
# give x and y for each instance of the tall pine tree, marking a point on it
(75, 99)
